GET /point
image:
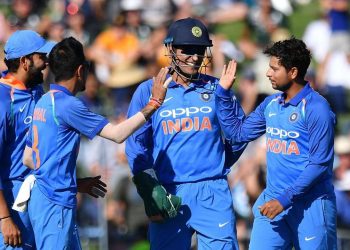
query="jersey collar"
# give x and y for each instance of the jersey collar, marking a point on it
(10, 80)
(300, 96)
(60, 88)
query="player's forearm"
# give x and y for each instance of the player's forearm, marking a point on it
(4, 211)
(123, 130)
(306, 180)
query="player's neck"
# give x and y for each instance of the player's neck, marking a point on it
(181, 80)
(294, 89)
(69, 85)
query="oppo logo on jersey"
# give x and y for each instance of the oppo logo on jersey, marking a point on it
(282, 145)
(174, 113)
(188, 122)
(282, 133)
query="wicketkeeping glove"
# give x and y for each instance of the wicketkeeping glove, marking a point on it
(156, 199)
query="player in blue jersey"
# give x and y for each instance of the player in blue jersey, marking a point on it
(25, 57)
(182, 148)
(58, 121)
(20, 89)
(297, 208)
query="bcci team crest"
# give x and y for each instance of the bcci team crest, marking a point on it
(205, 97)
(293, 117)
(196, 31)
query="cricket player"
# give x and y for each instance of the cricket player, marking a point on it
(53, 144)
(25, 57)
(297, 208)
(20, 88)
(181, 148)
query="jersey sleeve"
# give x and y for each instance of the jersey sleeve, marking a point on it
(2, 135)
(320, 127)
(76, 115)
(4, 119)
(139, 146)
(238, 128)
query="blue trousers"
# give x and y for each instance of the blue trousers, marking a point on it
(308, 224)
(54, 225)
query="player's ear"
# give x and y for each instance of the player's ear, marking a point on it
(293, 72)
(80, 71)
(24, 62)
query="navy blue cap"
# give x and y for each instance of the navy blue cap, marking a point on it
(188, 31)
(25, 42)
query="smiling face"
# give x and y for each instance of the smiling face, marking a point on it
(280, 78)
(189, 58)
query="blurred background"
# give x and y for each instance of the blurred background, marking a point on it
(123, 40)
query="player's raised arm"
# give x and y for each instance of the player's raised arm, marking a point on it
(119, 132)
(228, 75)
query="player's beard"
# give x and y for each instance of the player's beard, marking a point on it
(283, 87)
(36, 76)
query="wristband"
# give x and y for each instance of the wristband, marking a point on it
(154, 104)
(159, 101)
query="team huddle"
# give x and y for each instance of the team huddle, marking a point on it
(185, 129)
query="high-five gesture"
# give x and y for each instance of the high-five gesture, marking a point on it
(228, 75)
(160, 85)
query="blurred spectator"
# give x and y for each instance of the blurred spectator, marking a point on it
(90, 97)
(317, 37)
(56, 31)
(157, 13)
(223, 11)
(75, 28)
(339, 20)
(342, 185)
(342, 150)
(262, 21)
(333, 78)
(342, 192)
(248, 92)
(132, 10)
(115, 52)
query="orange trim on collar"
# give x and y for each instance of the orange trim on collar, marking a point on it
(11, 81)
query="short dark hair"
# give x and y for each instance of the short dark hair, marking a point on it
(65, 58)
(13, 64)
(291, 53)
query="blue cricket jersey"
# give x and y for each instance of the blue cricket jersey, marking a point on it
(16, 108)
(182, 141)
(58, 120)
(299, 141)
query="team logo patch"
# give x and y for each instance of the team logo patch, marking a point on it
(196, 31)
(293, 117)
(205, 97)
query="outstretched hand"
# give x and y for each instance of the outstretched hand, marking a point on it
(160, 84)
(228, 75)
(92, 186)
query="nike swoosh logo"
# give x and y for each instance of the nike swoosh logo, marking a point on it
(21, 109)
(272, 114)
(168, 99)
(223, 224)
(310, 238)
